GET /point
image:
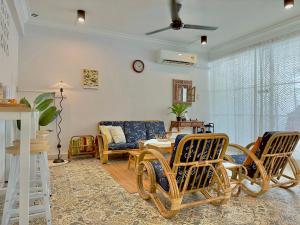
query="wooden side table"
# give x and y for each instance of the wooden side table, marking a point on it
(195, 124)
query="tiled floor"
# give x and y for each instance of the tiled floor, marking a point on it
(83, 193)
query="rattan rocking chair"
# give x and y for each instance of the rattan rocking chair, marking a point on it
(269, 163)
(195, 167)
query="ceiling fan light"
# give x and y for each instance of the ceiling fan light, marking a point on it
(203, 40)
(288, 4)
(80, 16)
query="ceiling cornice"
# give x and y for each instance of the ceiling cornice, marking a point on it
(107, 33)
(20, 12)
(283, 28)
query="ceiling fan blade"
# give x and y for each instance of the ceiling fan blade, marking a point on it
(157, 31)
(199, 27)
(175, 7)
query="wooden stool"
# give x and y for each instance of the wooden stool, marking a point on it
(39, 190)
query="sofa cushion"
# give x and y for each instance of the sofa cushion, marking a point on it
(154, 128)
(135, 131)
(105, 130)
(161, 178)
(239, 159)
(112, 123)
(122, 146)
(265, 138)
(117, 134)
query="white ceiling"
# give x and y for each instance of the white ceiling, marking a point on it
(235, 18)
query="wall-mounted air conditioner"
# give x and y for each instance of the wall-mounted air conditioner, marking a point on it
(177, 58)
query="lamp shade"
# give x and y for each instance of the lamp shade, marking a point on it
(60, 85)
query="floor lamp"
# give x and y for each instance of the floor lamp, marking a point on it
(59, 121)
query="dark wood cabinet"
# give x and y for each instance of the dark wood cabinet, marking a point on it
(195, 124)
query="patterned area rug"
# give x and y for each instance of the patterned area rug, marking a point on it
(84, 193)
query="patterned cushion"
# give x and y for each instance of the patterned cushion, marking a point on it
(160, 176)
(266, 137)
(122, 146)
(134, 131)
(154, 128)
(112, 123)
(239, 159)
(181, 173)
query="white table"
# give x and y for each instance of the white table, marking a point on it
(23, 114)
(162, 146)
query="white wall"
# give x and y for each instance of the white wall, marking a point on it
(9, 63)
(49, 55)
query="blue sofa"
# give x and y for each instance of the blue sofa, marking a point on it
(134, 132)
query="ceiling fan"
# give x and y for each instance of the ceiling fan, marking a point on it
(177, 24)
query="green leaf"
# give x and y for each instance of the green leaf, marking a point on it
(44, 105)
(179, 108)
(43, 96)
(25, 102)
(48, 116)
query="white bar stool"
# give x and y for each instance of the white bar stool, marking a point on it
(39, 204)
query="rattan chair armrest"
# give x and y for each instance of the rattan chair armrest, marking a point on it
(248, 146)
(258, 162)
(295, 166)
(238, 147)
(103, 148)
(174, 191)
(157, 155)
(104, 141)
(228, 158)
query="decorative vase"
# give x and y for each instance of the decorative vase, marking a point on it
(178, 118)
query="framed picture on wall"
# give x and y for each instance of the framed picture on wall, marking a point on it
(90, 79)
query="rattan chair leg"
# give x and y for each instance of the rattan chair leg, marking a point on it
(143, 168)
(296, 172)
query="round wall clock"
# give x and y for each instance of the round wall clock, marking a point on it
(138, 66)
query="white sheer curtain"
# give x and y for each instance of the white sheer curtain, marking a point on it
(257, 90)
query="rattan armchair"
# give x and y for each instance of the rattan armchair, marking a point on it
(269, 164)
(195, 167)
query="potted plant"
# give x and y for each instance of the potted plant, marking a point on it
(42, 109)
(179, 109)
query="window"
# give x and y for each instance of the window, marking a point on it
(257, 90)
